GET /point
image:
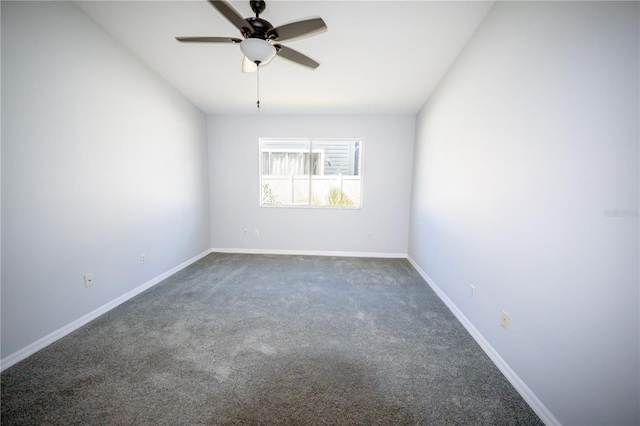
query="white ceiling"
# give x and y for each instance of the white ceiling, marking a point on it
(378, 57)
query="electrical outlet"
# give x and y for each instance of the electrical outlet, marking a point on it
(143, 258)
(504, 321)
(257, 232)
(88, 280)
(369, 235)
(245, 232)
(473, 291)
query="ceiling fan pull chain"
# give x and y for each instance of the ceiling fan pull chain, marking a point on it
(258, 81)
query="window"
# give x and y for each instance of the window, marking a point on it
(311, 172)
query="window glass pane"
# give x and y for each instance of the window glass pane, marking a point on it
(285, 172)
(340, 182)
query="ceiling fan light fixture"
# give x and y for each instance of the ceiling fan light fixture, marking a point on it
(258, 50)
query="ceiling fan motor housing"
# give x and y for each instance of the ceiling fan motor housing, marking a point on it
(261, 29)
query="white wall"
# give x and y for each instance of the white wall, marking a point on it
(530, 137)
(235, 190)
(101, 161)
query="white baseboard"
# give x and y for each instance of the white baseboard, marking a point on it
(34, 347)
(536, 405)
(312, 253)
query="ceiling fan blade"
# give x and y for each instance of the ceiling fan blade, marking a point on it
(232, 16)
(208, 39)
(295, 56)
(248, 66)
(300, 29)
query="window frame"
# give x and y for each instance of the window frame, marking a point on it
(311, 149)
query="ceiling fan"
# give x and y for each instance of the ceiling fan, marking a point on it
(261, 40)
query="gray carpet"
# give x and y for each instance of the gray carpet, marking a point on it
(259, 339)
